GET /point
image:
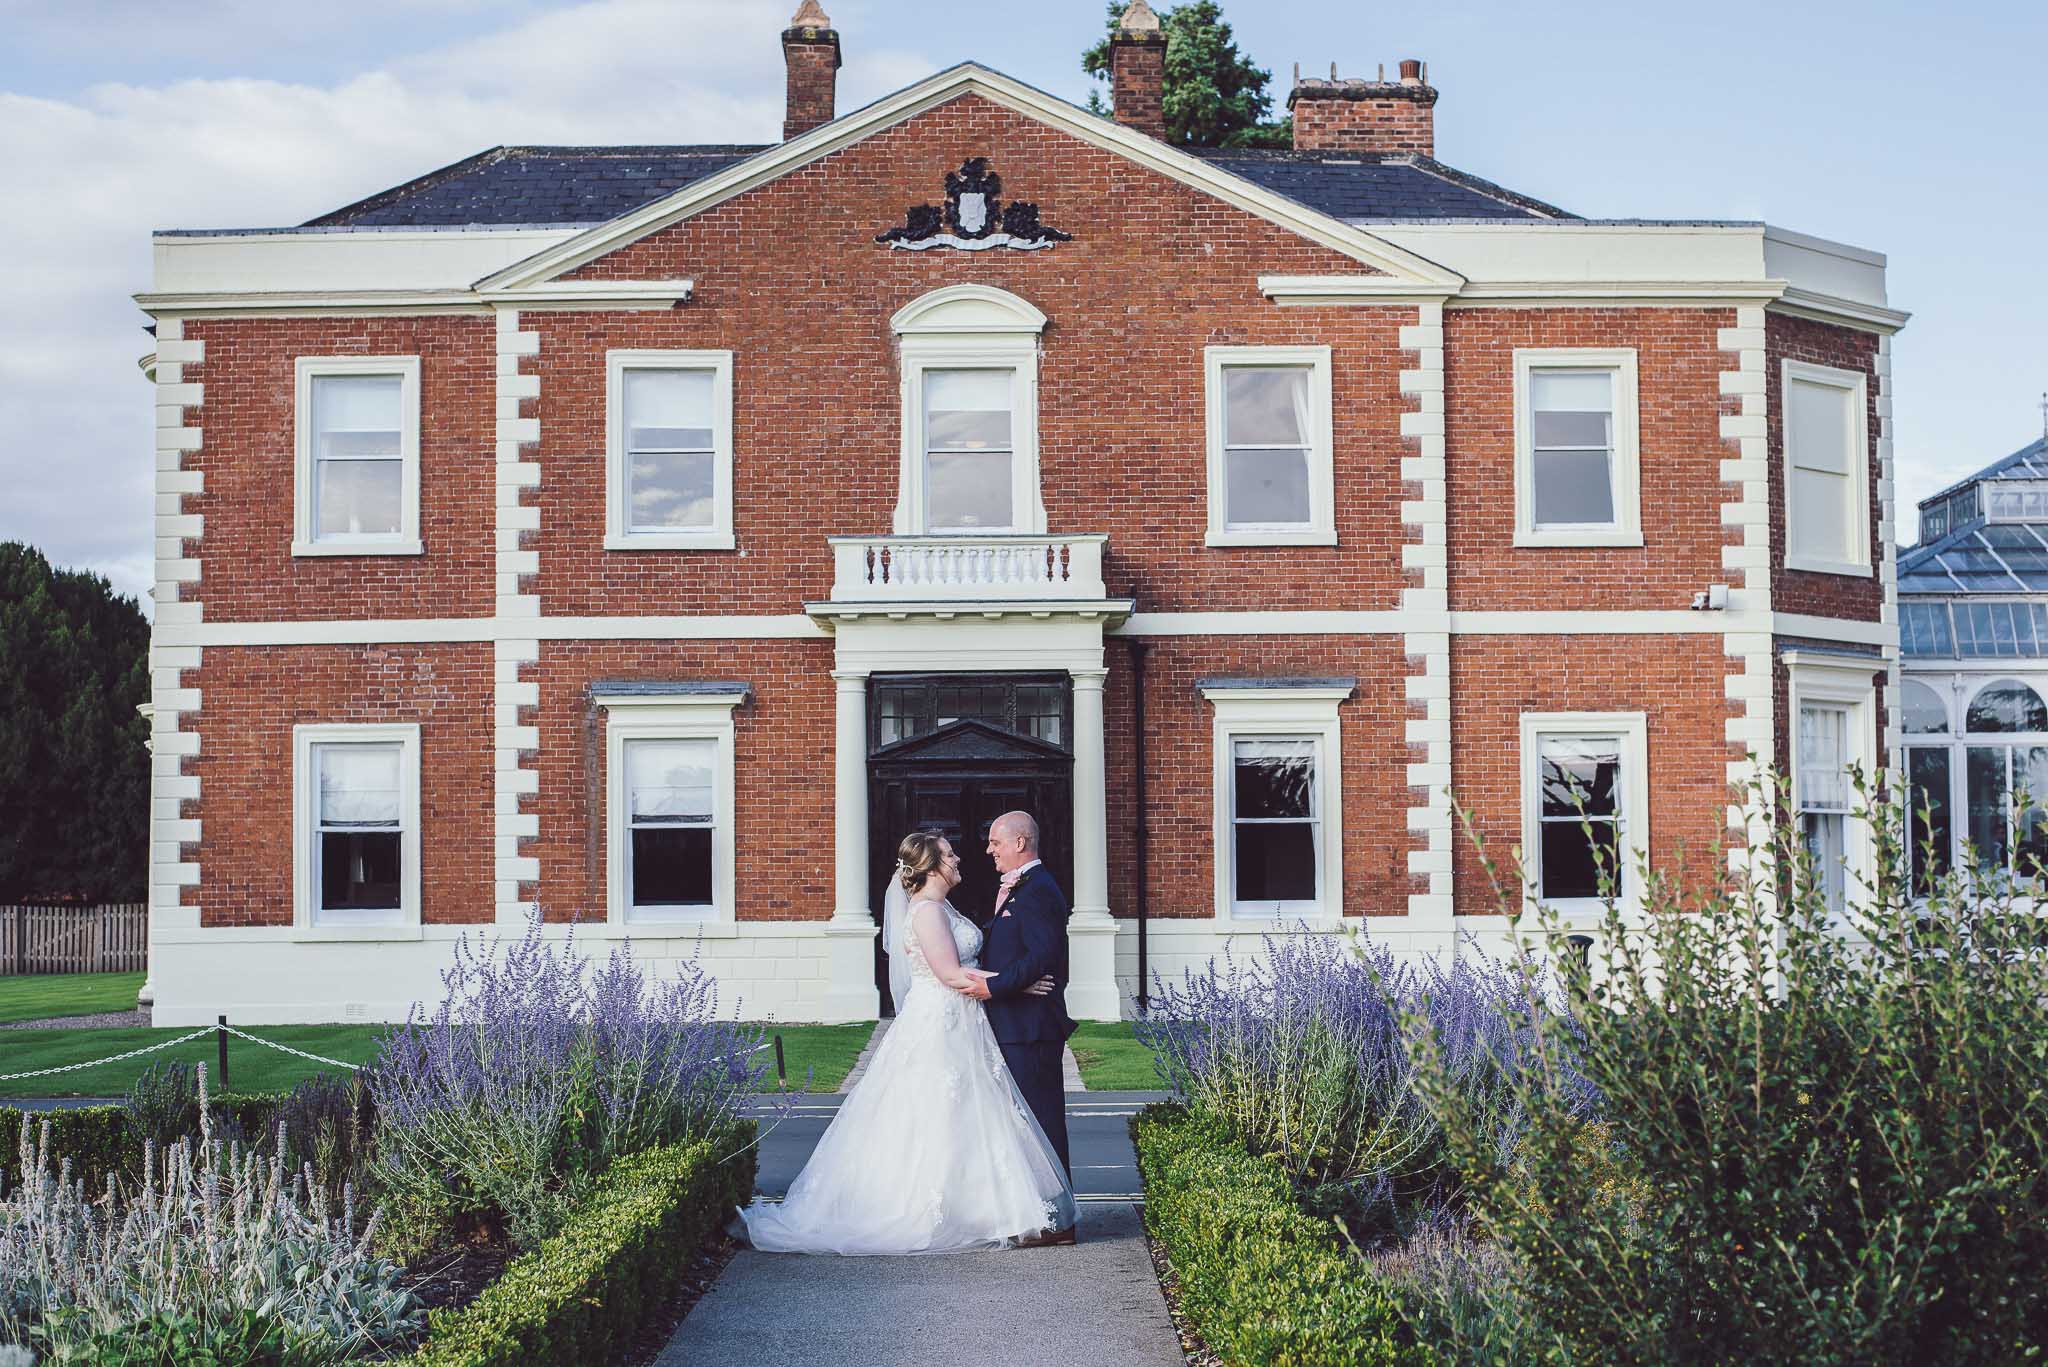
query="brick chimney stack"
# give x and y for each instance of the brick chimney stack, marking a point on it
(1391, 117)
(810, 46)
(1137, 71)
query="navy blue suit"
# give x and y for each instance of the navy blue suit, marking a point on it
(1026, 941)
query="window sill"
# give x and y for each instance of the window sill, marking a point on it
(672, 541)
(1312, 922)
(328, 548)
(1314, 536)
(678, 928)
(1847, 568)
(1539, 539)
(362, 934)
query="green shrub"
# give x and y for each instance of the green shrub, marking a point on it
(1827, 1132)
(104, 1140)
(584, 1292)
(1262, 1282)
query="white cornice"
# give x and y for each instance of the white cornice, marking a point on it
(1711, 293)
(550, 295)
(1827, 308)
(1348, 289)
(969, 78)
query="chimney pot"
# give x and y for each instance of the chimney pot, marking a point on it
(810, 50)
(1411, 71)
(1137, 71)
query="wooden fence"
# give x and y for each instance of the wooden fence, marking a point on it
(103, 939)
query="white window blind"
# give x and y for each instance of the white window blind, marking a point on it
(358, 454)
(969, 444)
(1572, 447)
(1821, 483)
(671, 449)
(1267, 431)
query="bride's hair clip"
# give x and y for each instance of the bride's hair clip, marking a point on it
(901, 868)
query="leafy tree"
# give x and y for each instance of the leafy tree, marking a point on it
(74, 770)
(1214, 96)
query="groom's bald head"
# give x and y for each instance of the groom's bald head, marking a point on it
(1013, 840)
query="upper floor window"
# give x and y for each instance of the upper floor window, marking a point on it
(970, 450)
(1270, 468)
(970, 414)
(1577, 457)
(669, 450)
(1827, 469)
(357, 456)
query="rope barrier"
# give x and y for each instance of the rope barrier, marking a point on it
(132, 1053)
(281, 1048)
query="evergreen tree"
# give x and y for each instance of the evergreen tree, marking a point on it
(74, 770)
(1214, 96)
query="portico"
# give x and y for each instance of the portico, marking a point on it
(981, 605)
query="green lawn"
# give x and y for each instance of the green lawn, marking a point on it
(828, 1049)
(1111, 1058)
(35, 996)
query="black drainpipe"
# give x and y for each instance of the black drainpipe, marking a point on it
(1138, 648)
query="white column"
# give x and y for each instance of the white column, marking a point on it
(1091, 933)
(850, 993)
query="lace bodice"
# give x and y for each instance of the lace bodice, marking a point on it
(966, 941)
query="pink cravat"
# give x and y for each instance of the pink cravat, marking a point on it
(1009, 881)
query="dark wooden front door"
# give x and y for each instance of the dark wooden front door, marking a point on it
(955, 779)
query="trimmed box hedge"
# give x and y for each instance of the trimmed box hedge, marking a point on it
(585, 1293)
(98, 1139)
(1262, 1282)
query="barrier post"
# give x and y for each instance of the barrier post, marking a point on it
(222, 1035)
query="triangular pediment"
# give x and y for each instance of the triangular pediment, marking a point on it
(970, 740)
(1404, 272)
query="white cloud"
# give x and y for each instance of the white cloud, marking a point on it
(92, 175)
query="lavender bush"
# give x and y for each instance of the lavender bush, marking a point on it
(216, 1238)
(1304, 1056)
(535, 1073)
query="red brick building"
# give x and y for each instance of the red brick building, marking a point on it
(652, 535)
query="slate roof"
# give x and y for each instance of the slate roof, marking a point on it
(537, 185)
(573, 185)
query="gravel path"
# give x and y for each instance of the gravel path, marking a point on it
(104, 1020)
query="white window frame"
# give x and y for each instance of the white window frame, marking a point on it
(970, 327)
(1627, 528)
(1633, 844)
(308, 921)
(669, 716)
(1321, 527)
(618, 532)
(1307, 712)
(1829, 680)
(305, 538)
(1855, 388)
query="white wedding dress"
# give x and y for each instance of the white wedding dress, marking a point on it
(934, 1151)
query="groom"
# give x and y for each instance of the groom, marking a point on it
(1027, 940)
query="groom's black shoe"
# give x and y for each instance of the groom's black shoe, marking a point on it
(1047, 1238)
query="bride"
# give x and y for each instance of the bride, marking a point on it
(934, 1151)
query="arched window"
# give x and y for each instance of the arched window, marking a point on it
(2006, 705)
(1922, 710)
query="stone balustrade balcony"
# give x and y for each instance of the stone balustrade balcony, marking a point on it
(994, 571)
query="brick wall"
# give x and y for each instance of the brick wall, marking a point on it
(1675, 680)
(248, 572)
(254, 696)
(1802, 339)
(1365, 116)
(1678, 395)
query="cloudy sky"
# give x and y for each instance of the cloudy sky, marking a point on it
(1905, 127)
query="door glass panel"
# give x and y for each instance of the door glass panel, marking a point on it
(1933, 823)
(1984, 771)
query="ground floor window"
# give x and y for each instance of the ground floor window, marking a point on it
(669, 801)
(1278, 797)
(1978, 790)
(356, 825)
(1585, 818)
(1823, 796)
